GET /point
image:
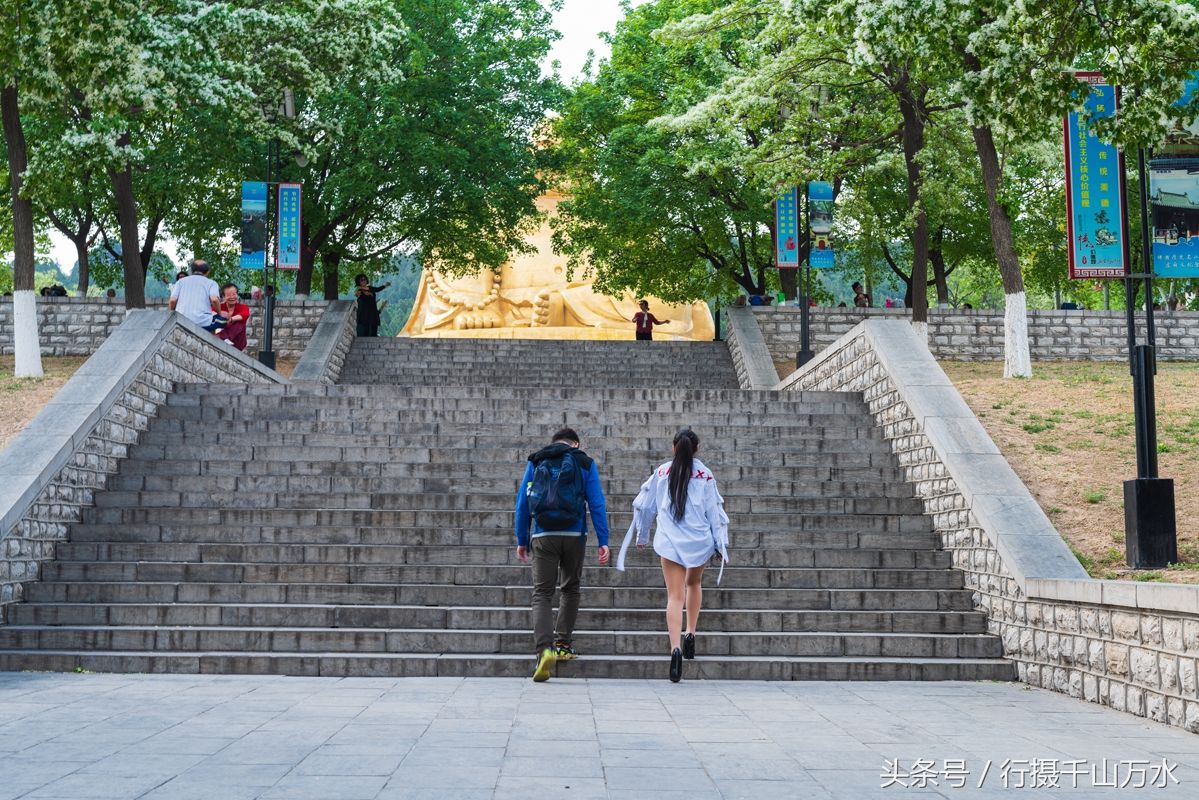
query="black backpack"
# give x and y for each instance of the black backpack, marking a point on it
(556, 495)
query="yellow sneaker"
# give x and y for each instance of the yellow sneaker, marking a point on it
(545, 662)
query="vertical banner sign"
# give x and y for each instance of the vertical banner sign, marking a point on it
(1094, 207)
(786, 230)
(253, 225)
(1174, 198)
(820, 224)
(289, 226)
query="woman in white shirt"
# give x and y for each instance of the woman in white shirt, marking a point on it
(692, 527)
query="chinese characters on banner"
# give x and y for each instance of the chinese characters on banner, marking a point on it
(820, 223)
(253, 225)
(289, 226)
(786, 230)
(1174, 197)
(1094, 205)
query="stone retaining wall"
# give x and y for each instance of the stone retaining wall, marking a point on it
(77, 326)
(1131, 646)
(56, 464)
(963, 335)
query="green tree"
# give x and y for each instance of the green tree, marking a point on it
(662, 205)
(441, 162)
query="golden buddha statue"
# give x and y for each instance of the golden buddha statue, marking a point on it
(531, 298)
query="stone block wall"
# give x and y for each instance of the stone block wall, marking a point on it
(754, 368)
(54, 467)
(1130, 646)
(965, 335)
(76, 326)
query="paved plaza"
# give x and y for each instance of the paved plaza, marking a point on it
(233, 738)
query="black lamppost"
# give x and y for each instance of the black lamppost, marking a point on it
(266, 354)
(805, 353)
(1150, 528)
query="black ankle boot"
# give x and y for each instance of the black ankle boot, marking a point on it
(676, 666)
(689, 646)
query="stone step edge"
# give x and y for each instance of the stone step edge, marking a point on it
(250, 629)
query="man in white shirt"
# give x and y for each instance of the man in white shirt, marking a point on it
(196, 297)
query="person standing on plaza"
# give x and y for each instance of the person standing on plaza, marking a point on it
(368, 309)
(197, 296)
(237, 316)
(560, 485)
(645, 322)
(692, 527)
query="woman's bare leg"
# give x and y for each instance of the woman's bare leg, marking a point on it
(675, 576)
(695, 596)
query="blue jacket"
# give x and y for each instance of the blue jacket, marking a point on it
(591, 487)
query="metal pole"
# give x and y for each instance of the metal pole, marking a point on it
(805, 340)
(266, 354)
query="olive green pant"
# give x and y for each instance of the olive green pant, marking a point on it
(557, 563)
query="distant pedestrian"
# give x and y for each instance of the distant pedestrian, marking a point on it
(110, 294)
(860, 298)
(560, 485)
(692, 527)
(368, 310)
(197, 296)
(645, 322)
(236, 315)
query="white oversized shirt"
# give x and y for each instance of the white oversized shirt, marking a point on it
(692, 540)
(194, 295)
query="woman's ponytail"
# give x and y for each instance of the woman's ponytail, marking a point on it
(685, 445)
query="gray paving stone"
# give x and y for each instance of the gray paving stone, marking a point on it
(323, 787)
(837, 757)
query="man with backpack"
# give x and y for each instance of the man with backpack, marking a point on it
(560, 484)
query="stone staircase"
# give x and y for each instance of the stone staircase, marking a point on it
(366, 528)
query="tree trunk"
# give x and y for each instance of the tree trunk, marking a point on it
(83, 267)
(122, 189)
(913, 144)
(789, 284)
(307, 267)
(27, 350)
(1017, 359)
(940, 274)
(330, 262)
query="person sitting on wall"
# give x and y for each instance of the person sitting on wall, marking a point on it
(197, 297)
(238, 315)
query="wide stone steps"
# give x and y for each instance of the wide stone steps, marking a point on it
(512, 641)
(216, 529)
(271, 615)
(484, 503)
(366, 529)
(459, 484)
(340, 470)
(485, 575)
(512, 595)
(763, 667)
(461, 555)
(500, 523)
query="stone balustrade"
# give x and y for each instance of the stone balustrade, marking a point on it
(966, 335)
(77, 326)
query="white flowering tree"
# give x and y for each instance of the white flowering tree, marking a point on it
(141, 83)
(14, 40)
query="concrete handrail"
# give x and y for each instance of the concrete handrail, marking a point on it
(755, 369)
(324, 357)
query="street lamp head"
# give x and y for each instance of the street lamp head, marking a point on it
(301, 159)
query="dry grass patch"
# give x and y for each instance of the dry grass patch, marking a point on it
(22, 398)
(1068, 433)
